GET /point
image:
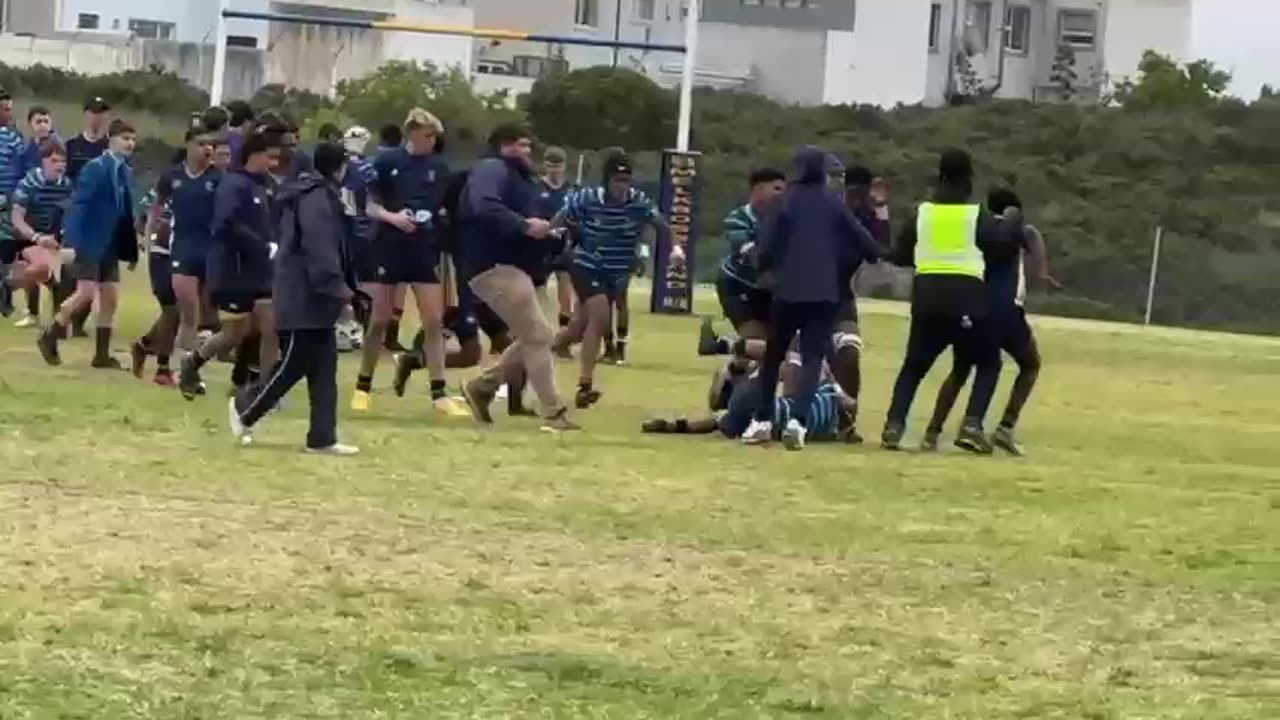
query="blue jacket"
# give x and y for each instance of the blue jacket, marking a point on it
(314, 277)
(498, 197)
(240, 256)
(101, 204)
(810, 238)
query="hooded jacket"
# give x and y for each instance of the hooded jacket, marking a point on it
(314, 278)
(810, 239)
(240, 256)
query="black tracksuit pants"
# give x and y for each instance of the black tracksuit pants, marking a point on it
(815, 323)
(975, 343)
(310, 354)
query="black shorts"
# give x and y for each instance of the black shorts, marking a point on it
(106, 270)
(563, 262)
(588, 283)
(1015, 334)
(742, 303)
(11, 249)
(364, 260)
(406, 260)
(160, 272)
(238, 302)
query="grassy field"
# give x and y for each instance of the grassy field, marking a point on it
(1130, 568)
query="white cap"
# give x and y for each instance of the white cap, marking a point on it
(356, 138)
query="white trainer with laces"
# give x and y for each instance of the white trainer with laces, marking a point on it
(758, 433)
(794, 436)
(238, 429)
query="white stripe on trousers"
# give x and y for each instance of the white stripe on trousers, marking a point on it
(275, 376)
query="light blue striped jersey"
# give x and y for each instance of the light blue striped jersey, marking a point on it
(12, 147)
(824, 414)
(44, 200)
(740, 228)
(608, 232)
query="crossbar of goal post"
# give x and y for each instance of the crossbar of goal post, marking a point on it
(679, 195)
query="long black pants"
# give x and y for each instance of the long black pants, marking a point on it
(310, 354)
(974, 343)
(814, 322)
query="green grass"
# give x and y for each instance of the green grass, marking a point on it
(1128, 569)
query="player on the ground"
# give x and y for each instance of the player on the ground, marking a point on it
(735, 398)
(238, 268)
(39, 203)
(609, 220)
(1006, 279)
(743, 301)
(99, 228)
(404, 202)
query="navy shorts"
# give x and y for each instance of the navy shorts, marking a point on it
(1015, 334)
(742, 303)
(189, 265)
(588, 283)
(403, 259)
(238, 302)
(562, 262)
(161, 276)
(364, 260)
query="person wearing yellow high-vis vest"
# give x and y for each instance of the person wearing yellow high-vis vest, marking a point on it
(949, 241)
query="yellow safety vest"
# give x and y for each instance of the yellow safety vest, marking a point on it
(947, 241)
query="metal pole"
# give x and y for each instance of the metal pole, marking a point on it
(617, 30)
(1151, 283)
(686, 77)
(219, 55)
(581, 159)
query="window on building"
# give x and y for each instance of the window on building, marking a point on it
(1017, 28)
(702, 9)
(1078, 28)
(586, 13)
(245, 41)
(151, 29)
(935, 26)
(977, 23)
(88, 21)
(643, 9)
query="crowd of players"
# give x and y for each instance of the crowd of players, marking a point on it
(276, 259)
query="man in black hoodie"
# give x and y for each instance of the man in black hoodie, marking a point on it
(808, 242)
(314, 281)
(950, 241)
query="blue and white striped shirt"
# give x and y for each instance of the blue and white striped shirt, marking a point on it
(740, 228)
(608, 231)
(12, 146)
(43, 199)
(824, 414)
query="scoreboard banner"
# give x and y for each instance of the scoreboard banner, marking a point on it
(679, 199)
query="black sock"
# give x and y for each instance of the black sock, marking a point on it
(515, 393)
(564, 320)
(239, 374)
(102, 342)
(437, 389)
(364, 383)
(253, 374)
(197, 360)
(393, 330)
(57, 330)
(737, 347)
(584, 386)
(33, 302)
(162, 363)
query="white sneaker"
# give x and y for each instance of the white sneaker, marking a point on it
(343, 340)
(793, 437)
(503, 392)
(758, 433)
(238, 429)
(26, 321)
(336, 450)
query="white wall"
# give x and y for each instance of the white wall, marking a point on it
(1134, 26)
(787, 65)
(90, 58)
(194, 19)
(884, 60)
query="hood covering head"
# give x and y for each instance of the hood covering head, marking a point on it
(810, 166)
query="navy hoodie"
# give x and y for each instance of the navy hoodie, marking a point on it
(240, 257)
(499, 195)
(314, 278)
(811, 239)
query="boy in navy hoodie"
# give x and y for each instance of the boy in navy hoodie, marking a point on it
(805, 248)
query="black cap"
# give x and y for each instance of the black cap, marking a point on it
(617, 165)
(857, 175)
(96, 104)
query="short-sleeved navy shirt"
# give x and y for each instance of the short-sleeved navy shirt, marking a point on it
(190, 199)
(80, 150)
(551, 199)
(408, 181)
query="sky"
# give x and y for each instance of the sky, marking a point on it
(1242, 36)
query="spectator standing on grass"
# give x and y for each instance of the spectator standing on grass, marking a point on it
(11, 147)
(40, 127)
(314, 280)
(82, 149)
